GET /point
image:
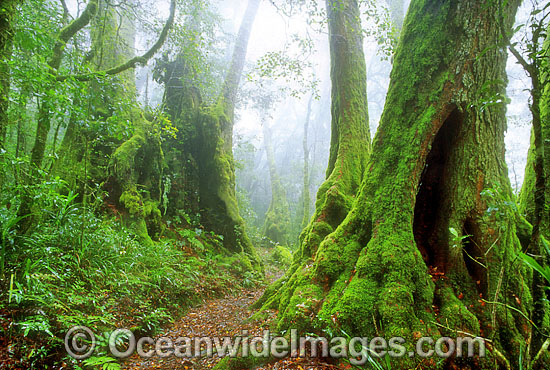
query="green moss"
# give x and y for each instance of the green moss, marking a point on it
(299, 313)
(281, 255)
(217, 183)
(361, 270)
(136, 169)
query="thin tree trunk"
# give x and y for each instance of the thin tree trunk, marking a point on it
(305, 145)
(234, 74)
(7, 13)
(535, 192)
(44, 113)
(276, 226)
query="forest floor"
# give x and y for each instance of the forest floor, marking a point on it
(224, 317)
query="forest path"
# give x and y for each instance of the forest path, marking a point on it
(215, 318)
(220, 318)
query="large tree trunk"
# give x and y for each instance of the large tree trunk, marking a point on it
(276, 225)
(136, 166)
(393, 267)
(200, 160)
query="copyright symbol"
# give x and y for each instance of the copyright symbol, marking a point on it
(80, 342)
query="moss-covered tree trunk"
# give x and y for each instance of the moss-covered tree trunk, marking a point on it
(200, 159)
(535, 192)
(7, 14)
(527, 195)
(350, 141)
(276, 225)
(211, 152)
(136, 167)
(394, 266)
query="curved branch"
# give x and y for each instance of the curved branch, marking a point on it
(69, 31)
(142, 59)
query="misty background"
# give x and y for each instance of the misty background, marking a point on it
(280, 101)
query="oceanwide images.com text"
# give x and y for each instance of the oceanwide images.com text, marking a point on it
(80, 343)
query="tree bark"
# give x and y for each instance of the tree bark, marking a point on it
(305, 189)
(393, 266)
(200, 160)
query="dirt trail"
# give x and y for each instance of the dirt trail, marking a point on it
(219, 318)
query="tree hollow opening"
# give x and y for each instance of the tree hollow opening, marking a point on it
(430, 224)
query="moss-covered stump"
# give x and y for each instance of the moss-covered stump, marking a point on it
(429, 246)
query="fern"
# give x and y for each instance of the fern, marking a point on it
(103, 362)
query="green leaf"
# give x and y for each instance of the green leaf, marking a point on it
(453, 231)
(531, 262)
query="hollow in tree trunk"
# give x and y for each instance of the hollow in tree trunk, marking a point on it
(394, 266)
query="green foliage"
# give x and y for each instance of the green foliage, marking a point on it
(457, 239)
(544, 269)
(75, 267)
(103, 363)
